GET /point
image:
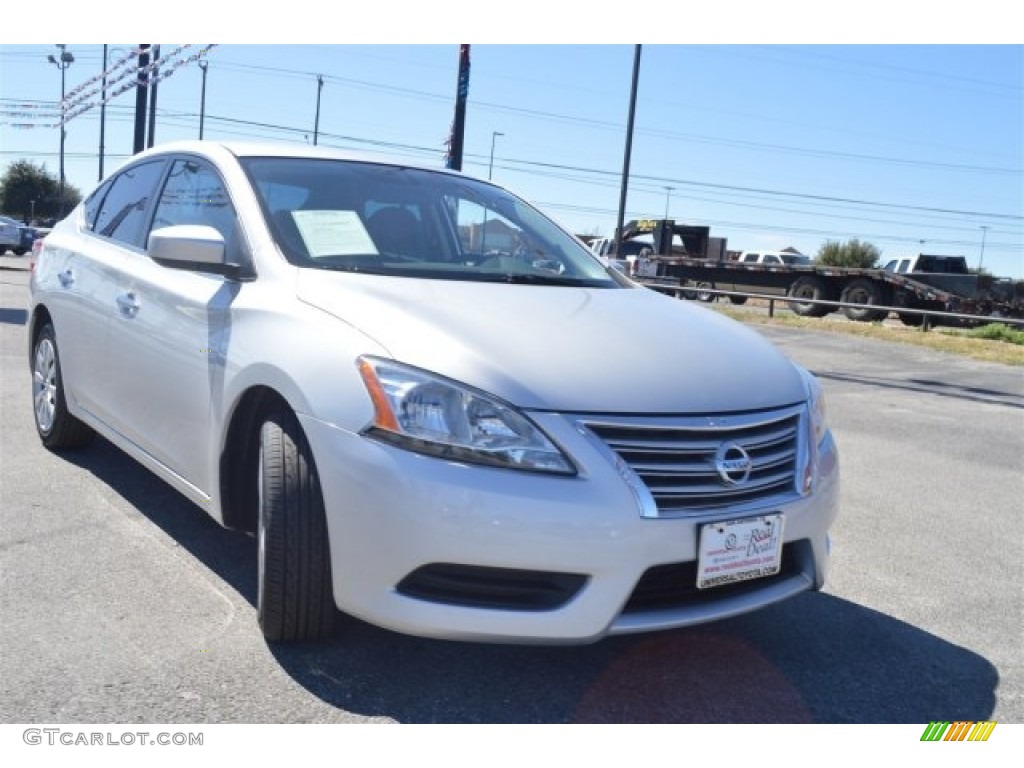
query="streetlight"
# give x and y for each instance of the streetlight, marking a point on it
(62, 64)
(668, 194)
(490, 166)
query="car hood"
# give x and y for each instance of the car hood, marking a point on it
(562, 348)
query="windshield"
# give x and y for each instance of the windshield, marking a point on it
(407, 222)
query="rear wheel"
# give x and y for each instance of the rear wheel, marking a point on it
(738, 300)
(294, 594)
(812, 288)
(861, 291)
(57, 428)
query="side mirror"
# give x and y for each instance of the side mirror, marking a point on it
(194, 247)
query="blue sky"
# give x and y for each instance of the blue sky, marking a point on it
(771, 145)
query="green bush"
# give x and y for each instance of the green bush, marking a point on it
(997, 332)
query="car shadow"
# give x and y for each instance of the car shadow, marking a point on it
(1012, 399)
(816, 658)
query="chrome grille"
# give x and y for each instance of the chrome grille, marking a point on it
(675, 457)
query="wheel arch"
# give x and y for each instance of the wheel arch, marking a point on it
(40, 317)
(240, 454)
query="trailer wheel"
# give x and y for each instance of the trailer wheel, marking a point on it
(813, 288)
(862, 291)
(913, 321)
(738, 300)
(702, 292)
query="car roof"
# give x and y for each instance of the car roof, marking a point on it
(240, 149)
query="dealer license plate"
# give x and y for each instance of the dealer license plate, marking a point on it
(739, 550)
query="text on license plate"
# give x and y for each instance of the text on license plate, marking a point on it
(738, 550)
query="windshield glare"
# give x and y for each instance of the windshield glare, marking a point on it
(407, 222)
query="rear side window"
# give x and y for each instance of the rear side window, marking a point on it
(122, 213)
(94, 201)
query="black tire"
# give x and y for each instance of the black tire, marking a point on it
(738, 300)
(56, 427)
(914, 321)
(866, 292)
(701, 291)
(295, 598)
(809, 287)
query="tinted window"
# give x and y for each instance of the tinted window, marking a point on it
(123, 210)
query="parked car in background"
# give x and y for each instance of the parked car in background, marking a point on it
(16, 236)
(774, 257)
(434, 408)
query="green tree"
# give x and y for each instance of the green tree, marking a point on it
(852, 253)
(24, 182)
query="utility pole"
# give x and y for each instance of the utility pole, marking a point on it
(629, 149)
(981, 258)
(202, 98)
(316, 124)
(490, 165)
(154, 79)
(141, 95)
(668, 195)
(455, 143)
(103, 113)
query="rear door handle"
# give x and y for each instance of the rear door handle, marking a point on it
(67, 277)
(128, 304)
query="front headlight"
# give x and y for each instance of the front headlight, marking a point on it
(426, 413)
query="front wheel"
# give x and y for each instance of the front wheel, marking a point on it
(56, 426)
(295, 599)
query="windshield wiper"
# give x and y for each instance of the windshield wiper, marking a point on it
(538, 279)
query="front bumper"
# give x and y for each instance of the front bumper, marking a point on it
(392, 514)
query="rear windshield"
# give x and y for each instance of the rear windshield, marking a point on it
(384, 219)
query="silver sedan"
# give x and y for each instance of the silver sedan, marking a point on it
(434, 408)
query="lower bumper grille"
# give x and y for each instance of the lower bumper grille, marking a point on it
(474, 586)
(675, 585)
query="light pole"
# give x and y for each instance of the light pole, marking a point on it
(668, 194)
(62, 64)
(490, 165)
(981, 258)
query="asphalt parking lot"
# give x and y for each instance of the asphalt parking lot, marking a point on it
(123, 603)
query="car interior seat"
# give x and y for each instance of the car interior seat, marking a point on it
(396, 230)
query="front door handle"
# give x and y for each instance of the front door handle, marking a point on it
(128, 304)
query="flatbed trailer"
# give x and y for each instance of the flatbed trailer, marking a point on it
(865, 287)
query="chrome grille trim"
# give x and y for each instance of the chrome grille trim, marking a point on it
(672, 458)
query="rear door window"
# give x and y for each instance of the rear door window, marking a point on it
(122, 214)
